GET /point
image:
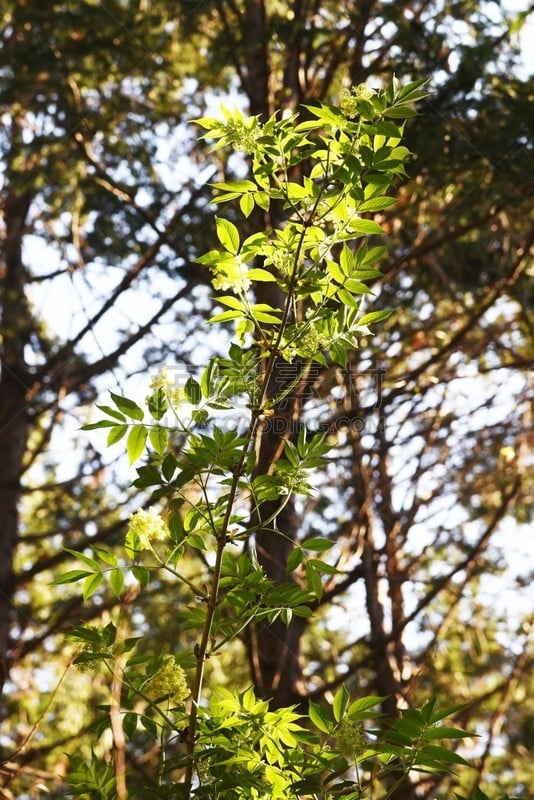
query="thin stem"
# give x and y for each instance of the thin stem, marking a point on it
(115, 710)
(117, 730)
(289, 299)
(201, 649)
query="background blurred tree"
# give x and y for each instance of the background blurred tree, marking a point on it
(426, 489)
(83, 207)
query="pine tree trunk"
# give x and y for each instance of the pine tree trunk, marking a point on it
(274, 650)
(15, 324)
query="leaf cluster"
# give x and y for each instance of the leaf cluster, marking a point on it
(235, 745)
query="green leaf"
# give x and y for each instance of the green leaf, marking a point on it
(356, 287)
(318, 545)
(169, 466)
(357, 710)
(227, 234)
(400, 153)
(320, 717)
(314, 581)
(335, 271)
(127, 406)
(103, 423)
(308, 125)
(157, 404)
(237, 305)
(261, 316)
(295, 559)
(265, 307)
(446, 733)
(258, 274)
(71, 576)
(176, 526)
(295, 191)
(225, 316)
(91, 656)
(388, 129)
(441, 713)
(377, 204)
(209, 123)
(366, 274)
(263, 200)
(105, 556)
(400, 112)
(212, 258)
(235, 186)
(129, 724)
(91, 584)
(116, 581)
(200, 416)
(93, 565)
(412, 91)
(323, 567)
(142, 574)
(135, 443)
(210, 374)
(367, 226)
(116, 434)
(347, 298)
(286, 615)
(193, 391)
(374, 316)
(197, 541)
(86, 634)
(441, 754)
(148, 476)
(371, 256)
(246, 204)
(346, 260)
(159, 438)
(341, 701)
(112, 412)
(149, 725)
(109, 634)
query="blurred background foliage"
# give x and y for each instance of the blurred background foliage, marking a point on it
(104, 197)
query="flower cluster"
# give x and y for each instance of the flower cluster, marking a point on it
(311, 341)
(232, 274)
(95, 647)
(175, 395)
(350, 738)
(149, 527)
(243, 133)
(351, 99)
(169, 681)
(293, 481)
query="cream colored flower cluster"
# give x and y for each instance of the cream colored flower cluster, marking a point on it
(168, 681)
(349, 100)
(232, 276)
(243, 133)
(350, 738)
(149, 527)
(174, 394)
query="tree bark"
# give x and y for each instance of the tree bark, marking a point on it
(15, 326)
(274, 650)
(255, 39)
